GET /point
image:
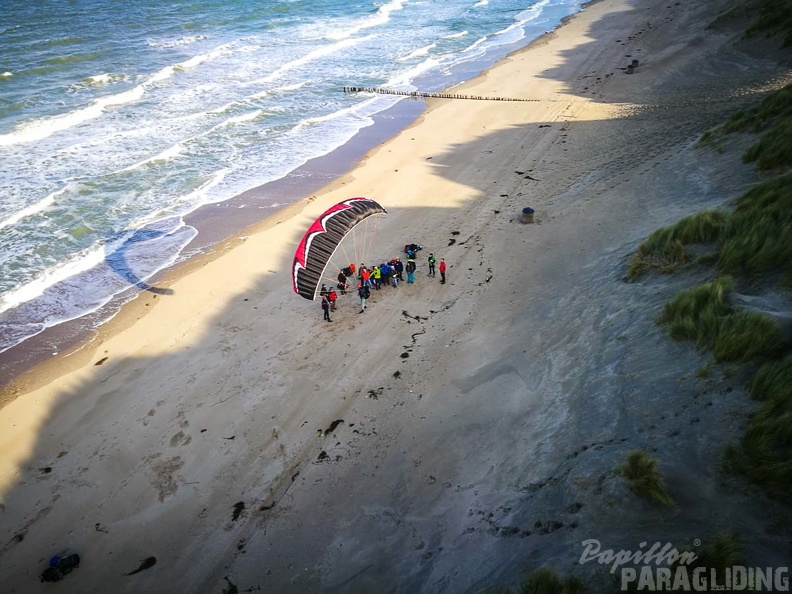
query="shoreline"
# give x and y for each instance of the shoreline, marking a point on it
(31, 364)
(458, 436)
(217, 233)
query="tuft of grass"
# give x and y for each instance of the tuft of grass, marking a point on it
(545, 581)
(723, 551)
(773, 150)
(776, 18)
(704, 370)
(640, 470)
(757, 237)
(773, 118)
(703, 314)
(764, 454)
(665, 248)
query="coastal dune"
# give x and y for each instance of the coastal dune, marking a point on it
(454, 437)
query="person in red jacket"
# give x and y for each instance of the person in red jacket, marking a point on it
(442, 271)
(332, 296)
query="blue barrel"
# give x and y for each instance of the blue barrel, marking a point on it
(527, 215)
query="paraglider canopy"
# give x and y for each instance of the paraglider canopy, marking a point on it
(323, 238)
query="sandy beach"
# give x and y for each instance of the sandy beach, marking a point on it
(455, 437)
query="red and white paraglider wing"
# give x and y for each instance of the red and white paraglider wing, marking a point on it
(323, 238)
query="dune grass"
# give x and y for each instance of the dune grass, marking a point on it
(640, 470)
(703, 314)
(723, 551)
(776, 18)
(764, 454)
(772, 118)
(755, 238)
(545, 581)
(665, 248)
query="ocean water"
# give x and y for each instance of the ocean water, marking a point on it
(117, 119)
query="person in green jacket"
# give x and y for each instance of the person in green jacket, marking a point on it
(432, 262)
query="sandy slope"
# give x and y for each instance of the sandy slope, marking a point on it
(203, 439)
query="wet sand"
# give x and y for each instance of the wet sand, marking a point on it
(455, 436)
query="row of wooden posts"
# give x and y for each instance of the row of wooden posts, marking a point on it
(423, 95)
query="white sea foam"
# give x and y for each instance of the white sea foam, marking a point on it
(170, 43)
(7, 73)
(455, 35)
(277, 90)
(39, 129)
(381, 17)
(310, 57)
(421, 51)
(33, 209)
(168, 153)
(404, 79)
(79, 262)
(480, 4)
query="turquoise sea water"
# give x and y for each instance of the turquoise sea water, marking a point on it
(117, 119)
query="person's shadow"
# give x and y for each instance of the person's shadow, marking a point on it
(139, 252)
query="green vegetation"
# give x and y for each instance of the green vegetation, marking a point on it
(724, 551)
(640, 470)
(703, 314)
(545, 581)
(704, 370)
(776, 19)
(665, 248)
(755, 238)
(764, 454)
(773, 119)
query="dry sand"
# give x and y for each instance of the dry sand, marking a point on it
(249, 446)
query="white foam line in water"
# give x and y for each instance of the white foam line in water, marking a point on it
(193, 200)
(422, 51)
(79, 262)
(168, 153)
(381, 17)
(404, 79)
(310, 57)
(45, 127)
(101, 302)
(455, 35)
(33, 209)
(276, 90)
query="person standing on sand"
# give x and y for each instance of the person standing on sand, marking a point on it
(399, 268)
(376, 277)
(432, 262)
(365, 275)
(332, 296)
(364, 293)
(442, 271)
(410, 269)
(326, 308)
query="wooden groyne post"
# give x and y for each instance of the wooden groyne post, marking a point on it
(424, 95)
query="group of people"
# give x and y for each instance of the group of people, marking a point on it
(386, 273)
